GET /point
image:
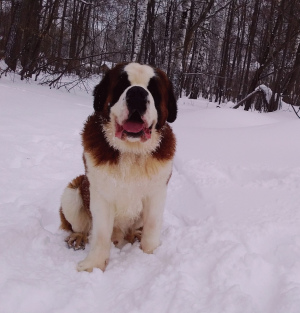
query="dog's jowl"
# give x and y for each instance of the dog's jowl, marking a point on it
(128, 149)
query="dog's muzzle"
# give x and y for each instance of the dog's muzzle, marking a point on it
(136, 99)
(135, 126)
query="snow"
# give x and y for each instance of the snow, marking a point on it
(266, 90)
(231, 232)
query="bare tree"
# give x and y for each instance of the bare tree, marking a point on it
(14, 36)
(138, 43)
(220, 50)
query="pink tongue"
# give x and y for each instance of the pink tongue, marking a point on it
(133, 127)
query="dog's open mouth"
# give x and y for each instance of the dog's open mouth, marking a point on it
(133, 127)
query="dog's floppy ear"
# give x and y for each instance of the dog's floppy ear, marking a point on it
(101, 92)
(172, 104)
(161, 88)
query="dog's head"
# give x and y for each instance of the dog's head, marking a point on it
(134, 101)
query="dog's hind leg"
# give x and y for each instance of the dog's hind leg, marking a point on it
(74, 212)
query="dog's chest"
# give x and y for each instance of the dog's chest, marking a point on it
(127, 184)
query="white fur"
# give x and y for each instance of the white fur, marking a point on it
(119, 110)
(72, 207)
(120, 194)
(139, 74)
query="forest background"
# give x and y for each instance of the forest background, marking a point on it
(220, 50)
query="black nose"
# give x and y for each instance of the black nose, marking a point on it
(137, 98)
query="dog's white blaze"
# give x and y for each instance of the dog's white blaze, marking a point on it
(119, 111)
(119, 194)
(139, 74)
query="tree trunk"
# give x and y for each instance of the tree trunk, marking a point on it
(250, 45)
(268, 54)
(59, 62)
(178, 57)
(35, 50)
(12, 50)
(149, 42)
(131, 29)
(225, 54)
(31, 34)
(74, 37)
(293, 77)
(138, 42)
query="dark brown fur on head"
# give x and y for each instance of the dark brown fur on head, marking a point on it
(115, 81)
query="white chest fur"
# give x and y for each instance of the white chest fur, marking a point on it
(126, 186)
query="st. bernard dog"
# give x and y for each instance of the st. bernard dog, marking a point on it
(128, 152)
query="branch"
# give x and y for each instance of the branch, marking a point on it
(249, 96)
(207, 74)
(87, 3)
(91, 56)
(296, 112)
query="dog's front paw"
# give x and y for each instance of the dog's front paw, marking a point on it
(84, 266)
(149, 246)
(88, 265)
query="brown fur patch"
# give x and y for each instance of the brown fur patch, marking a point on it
(76, 182)
(77, 241)
(104, 91)
(133, 235)
(83, 184)
(84, 163)
(164, 94)
(94, 142)
(165, 102)
(65, 225)
(169, 102)
(85, 194)
(167, 147)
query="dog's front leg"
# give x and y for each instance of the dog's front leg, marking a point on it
(153, 207)
(103, 220)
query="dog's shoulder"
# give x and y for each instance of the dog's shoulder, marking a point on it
(95, 143)
(167, 147)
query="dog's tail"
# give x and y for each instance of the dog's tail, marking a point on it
(75, 212)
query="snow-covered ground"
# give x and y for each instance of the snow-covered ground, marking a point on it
(231, 232)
